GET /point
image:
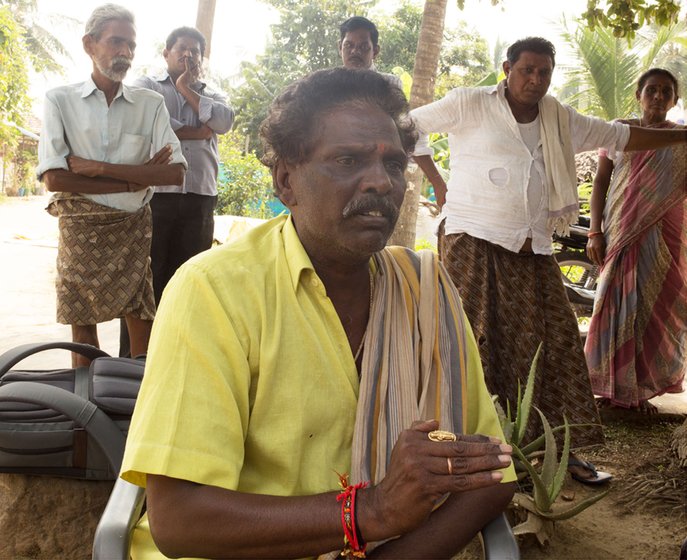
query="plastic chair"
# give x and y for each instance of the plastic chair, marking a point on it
(113, 535)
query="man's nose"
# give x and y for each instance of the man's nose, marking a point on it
(126, 51)
(376, 179)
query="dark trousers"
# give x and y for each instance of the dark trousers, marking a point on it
(183, 226)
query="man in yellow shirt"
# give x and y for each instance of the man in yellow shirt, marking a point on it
(306, 350)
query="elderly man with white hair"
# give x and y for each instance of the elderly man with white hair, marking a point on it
(95, 154)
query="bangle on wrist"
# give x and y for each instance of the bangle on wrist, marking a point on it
(594, 234)
(354, 545)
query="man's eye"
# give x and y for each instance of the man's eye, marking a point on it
(347, 161)
(394, 166)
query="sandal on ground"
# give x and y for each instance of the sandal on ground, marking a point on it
(598, 477)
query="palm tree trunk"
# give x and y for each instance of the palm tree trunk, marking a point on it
(424, 75)
(205, 20)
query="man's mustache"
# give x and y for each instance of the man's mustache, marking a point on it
(121, 61)
(372, 203)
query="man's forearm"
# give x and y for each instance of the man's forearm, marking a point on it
(602, 181)
(192, 97)
(430, 170)
(452, 526)
(214, 521)
(193, 133)
(652, 138)
(61, 180)
(151, 175)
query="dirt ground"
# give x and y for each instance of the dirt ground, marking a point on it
(644, 515)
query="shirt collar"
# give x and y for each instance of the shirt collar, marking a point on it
(499, 89)
(89, 87)
(296, 257)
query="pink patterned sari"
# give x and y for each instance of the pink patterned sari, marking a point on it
(637, 343)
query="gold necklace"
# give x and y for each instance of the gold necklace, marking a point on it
(362, 342)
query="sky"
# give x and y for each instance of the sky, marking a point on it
(242, 28)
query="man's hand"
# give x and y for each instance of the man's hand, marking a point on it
(419, 475)
(204, 132)
(596, 249)
(85, 167)
(189, 76)
(163, 156)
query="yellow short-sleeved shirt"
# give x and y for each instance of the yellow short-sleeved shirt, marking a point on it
(250, 382)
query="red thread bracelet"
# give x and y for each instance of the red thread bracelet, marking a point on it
(354, 545)
(594, 234)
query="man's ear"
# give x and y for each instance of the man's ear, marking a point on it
(87, 41)
(281, 178)
(375, 51)
(506, 67)
(165, 53)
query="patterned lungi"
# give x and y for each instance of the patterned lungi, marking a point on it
(103, 261)
(514, 301)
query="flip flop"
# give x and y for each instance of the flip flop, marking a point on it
(599, 477)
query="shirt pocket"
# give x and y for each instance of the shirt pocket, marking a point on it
(134, 148)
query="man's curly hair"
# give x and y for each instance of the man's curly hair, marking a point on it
(288, 132)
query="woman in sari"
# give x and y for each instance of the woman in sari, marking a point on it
(637, 343)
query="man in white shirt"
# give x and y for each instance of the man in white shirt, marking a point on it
(94, 152)
(512, 184)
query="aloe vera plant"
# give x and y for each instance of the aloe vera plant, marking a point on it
(541, 509)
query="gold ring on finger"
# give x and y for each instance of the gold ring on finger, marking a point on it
(441, 435)
(450, 466)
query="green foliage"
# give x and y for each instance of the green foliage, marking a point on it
(425, 244)
(465, 59)
(305, 39)
(625, 17)
(14, 103)
(244, 184)
(584, 193)
(604, 79)
(25, 162)
(41, 45)
(539, 510)
(398, 38)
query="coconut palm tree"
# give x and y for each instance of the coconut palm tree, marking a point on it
(602, 82)
(42, 46)
(422, 92)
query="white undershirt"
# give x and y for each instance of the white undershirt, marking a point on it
(536, 195)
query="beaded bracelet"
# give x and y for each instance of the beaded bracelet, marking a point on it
(594, 234)
(354, 545)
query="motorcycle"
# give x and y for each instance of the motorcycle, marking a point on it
(579, 274)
